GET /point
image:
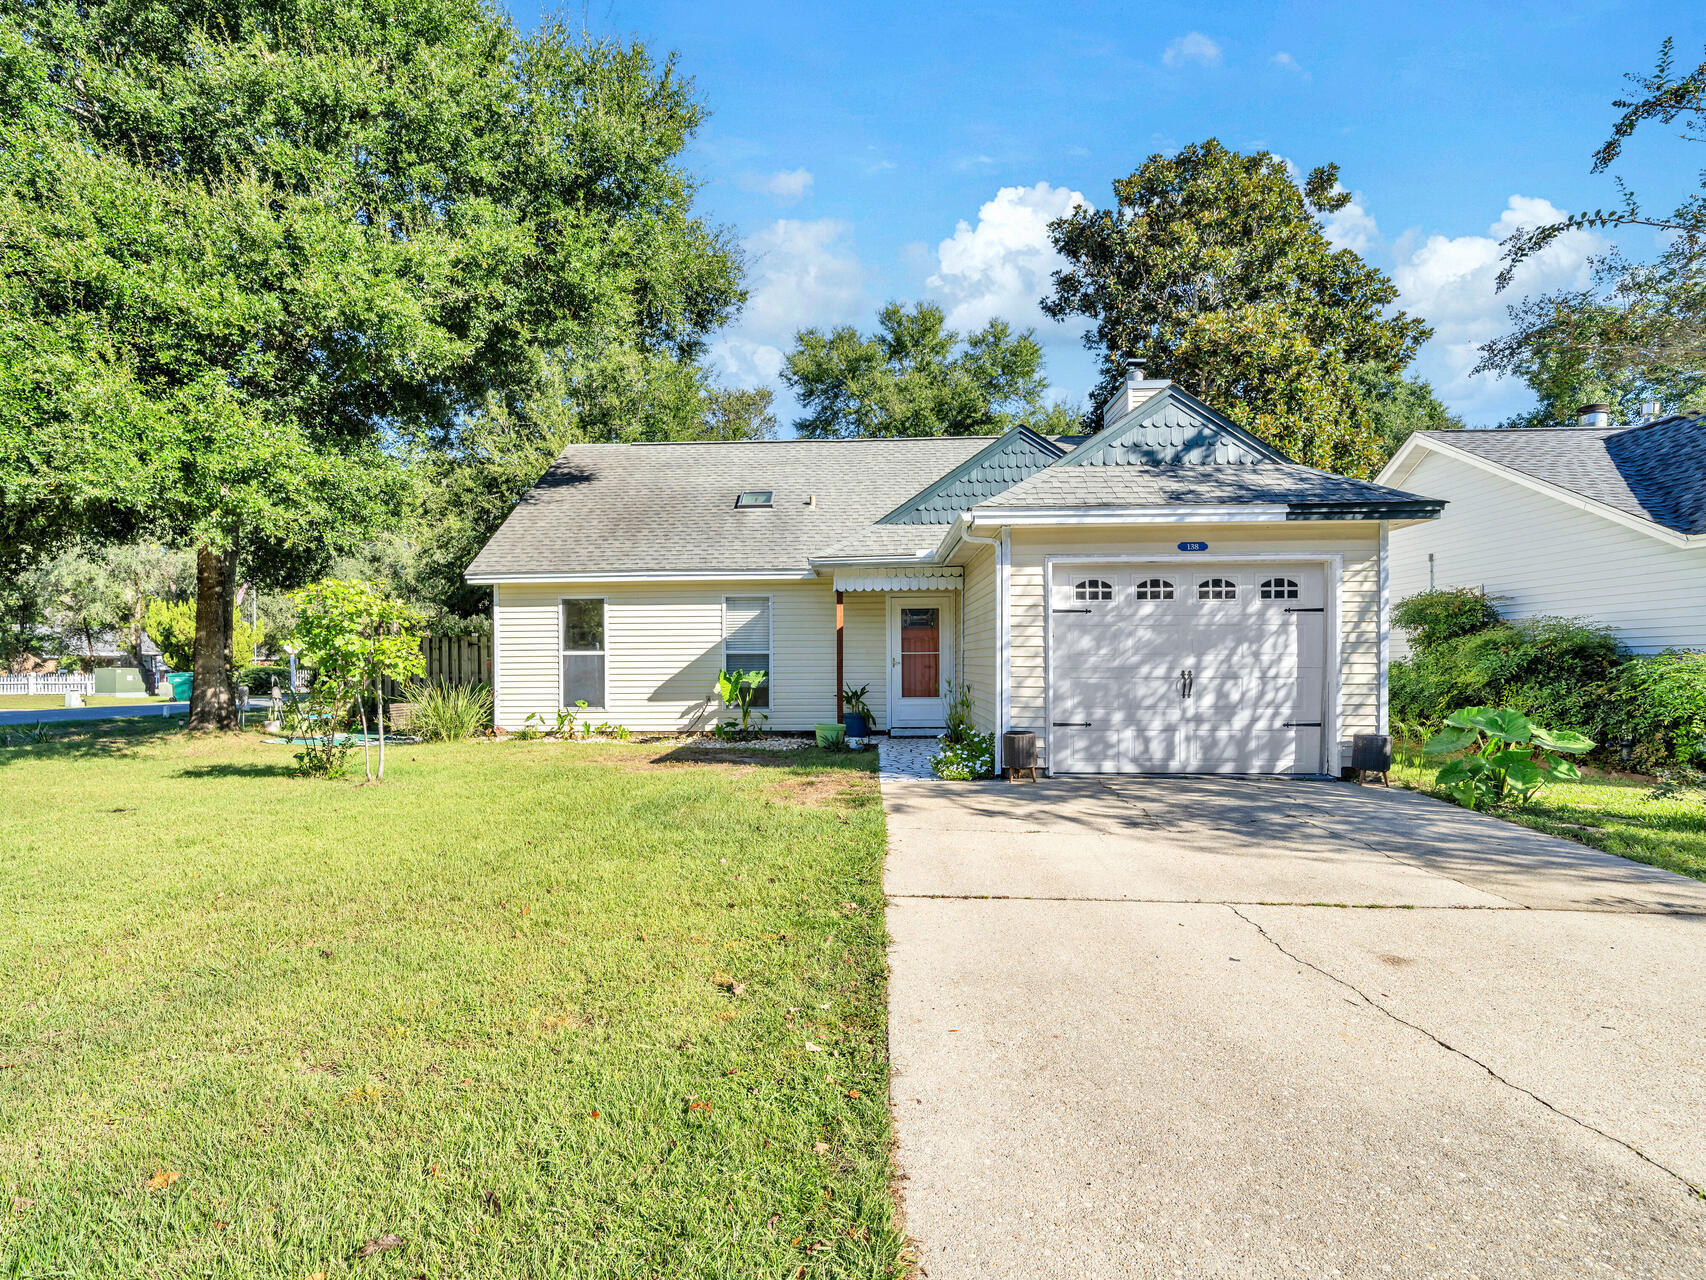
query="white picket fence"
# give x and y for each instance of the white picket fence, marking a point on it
(58, 682)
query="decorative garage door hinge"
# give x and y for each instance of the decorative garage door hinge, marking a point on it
(1071, 724)
(1074, 611)
(1316, 609)
(1301, 724)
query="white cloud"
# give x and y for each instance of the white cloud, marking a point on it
(1352, 227)
(1285, 62)
(1002, 266)
(1194, 47)
(786, 185)
(1451, 282)
(800, 274)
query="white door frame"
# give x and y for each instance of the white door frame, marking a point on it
(945, 647)
(1332, 563)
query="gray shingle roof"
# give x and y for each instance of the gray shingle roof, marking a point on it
(641, 508)
(1145, 486)
(883, 540)
(1656, 470)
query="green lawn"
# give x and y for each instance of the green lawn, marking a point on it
(56, 701)
(531, 1009)
(1610, 813)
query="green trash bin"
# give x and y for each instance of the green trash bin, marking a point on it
(180, 682)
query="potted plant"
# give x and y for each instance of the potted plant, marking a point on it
(856, 712)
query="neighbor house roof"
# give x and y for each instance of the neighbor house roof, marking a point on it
(1650, 471)
(657, 508)
(1655, 470)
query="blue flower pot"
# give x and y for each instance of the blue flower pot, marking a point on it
(856, 725)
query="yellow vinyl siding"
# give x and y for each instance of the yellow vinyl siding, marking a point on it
(1359, 654)
(865, 614)
(663, 649)
(978, 649)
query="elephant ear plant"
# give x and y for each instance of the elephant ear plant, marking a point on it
(1508, 756)
(738, 689)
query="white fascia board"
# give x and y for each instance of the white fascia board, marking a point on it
(1232, 513)
(1569, 497)
(707, 575)
(842, 562)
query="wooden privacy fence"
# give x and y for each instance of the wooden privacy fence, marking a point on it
(453, 660)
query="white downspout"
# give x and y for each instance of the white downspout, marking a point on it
(1383, 726)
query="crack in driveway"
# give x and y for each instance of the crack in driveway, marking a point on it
(1374, 1004)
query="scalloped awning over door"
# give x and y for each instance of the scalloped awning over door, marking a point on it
(945, 577)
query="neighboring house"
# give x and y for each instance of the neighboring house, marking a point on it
(1167, 595)
(1599, 522)
(110, 648)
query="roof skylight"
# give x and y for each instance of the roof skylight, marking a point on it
(754, 498)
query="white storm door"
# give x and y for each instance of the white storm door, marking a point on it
(921, 660)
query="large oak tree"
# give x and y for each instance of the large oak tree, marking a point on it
(253, 252)
(1213, 269)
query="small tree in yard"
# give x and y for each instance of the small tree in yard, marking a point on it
(356, 637)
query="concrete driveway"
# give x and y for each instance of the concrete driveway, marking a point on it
(1194, 1027)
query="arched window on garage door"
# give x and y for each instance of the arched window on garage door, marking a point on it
(1279, 589)
(1154, 589)
(1093, 589)
(1217, 589)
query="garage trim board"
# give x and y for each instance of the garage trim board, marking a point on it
(1331, 568)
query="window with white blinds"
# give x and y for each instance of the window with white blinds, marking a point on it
(746, 639)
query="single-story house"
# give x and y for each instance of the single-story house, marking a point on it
(106, 648)
(1593, 521)
(1166, 595)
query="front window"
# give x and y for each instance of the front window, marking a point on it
(583, 652)
(746, 640)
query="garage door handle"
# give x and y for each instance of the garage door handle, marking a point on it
(1071, 724)
(1317, 609)
(1301, 724)
(1072, 611)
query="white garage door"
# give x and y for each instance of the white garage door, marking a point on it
(1188, 669)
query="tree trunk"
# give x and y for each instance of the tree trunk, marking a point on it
(366, 749)
(213, 706)
(379, 692)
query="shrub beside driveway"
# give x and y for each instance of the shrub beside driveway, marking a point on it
(525, 1009)
(1618, 815)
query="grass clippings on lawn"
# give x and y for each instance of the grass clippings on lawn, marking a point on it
(527, 1009)
(1616, 814)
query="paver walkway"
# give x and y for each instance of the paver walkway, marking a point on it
(1199, 1027)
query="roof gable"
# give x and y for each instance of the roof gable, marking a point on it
(995, 469)
(1173, 428)
(1652, 474)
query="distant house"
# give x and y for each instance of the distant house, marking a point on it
(1167, 595)
(104, 649)
(1594, 521)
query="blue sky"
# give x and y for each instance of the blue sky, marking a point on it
(864, 152)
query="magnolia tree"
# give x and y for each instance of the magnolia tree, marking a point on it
(356, 637)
